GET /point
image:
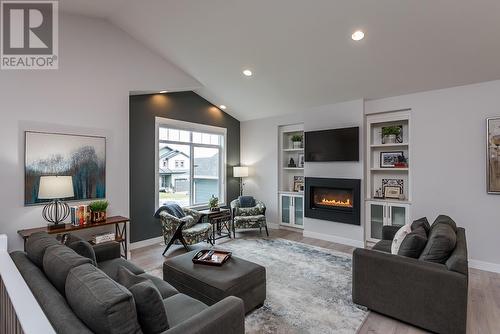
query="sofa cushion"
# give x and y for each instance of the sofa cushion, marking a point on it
(148, 301)
(84, 248)
(58, 261)
(182, 307)
(36, 245)
(441, 243)
(399, 237)
(383, 246)
(102, 304)
(421, 222)
(414, 243)
(246, 201)
(443, 219)
(166, 290)
(110, 267)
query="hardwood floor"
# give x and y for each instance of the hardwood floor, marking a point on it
(484, 287)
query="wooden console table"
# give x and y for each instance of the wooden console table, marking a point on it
(120, 230)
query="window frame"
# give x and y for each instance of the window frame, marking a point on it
(192, 127)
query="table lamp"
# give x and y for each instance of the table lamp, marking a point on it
(241, 172)
(55, 188)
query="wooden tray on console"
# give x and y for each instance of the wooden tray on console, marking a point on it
(206, 256)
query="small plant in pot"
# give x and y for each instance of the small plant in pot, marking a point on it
(297, 141)
(390, 134)
(98, 211)
(213, 203)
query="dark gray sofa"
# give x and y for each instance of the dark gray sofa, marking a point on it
(426, 294)
(70, 311)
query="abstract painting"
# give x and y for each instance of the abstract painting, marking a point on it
(493, 162)
(82, 157)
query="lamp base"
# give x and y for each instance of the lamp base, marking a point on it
(55, 213)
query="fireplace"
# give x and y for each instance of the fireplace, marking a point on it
(336, 200)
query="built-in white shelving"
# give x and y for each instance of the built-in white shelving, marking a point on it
(386, 211)
(291, 202)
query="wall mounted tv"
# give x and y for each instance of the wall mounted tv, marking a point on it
(332, 145)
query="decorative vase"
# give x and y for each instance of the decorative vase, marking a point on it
(389, 139)
(296, 144)
(97, 217)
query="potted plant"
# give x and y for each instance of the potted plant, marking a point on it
(98, 211)
(297, 141)
(213, 203)
(390, 134)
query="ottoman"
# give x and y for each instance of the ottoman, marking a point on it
(210, 284)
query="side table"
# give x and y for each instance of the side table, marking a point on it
(221, 223)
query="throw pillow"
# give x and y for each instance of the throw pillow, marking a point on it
(441, 243)
(414, 243)
(189, 221)
(36, 246)
(399, 237)
(84, 248)
(246, 201)
(172, 209)
(443, 219)
(421, 222)
(148, 302)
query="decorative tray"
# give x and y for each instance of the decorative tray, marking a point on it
(211, 257)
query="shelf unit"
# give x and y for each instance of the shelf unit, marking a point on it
(291, 203)
(386, 211)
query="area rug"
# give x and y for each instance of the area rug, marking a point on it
(308, 288)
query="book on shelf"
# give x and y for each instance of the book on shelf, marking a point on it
(103, 237)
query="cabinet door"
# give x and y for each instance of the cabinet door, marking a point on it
(376, 219)
(398, 214)
(298, 210)
(286, 203)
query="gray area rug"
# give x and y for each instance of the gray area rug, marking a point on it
(308, 288)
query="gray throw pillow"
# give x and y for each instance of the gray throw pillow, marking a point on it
(246, 201)
(58, 261)
(414, 243)
(443, 219)
(85, 249)
(36, 245)
(421, 222)
(105, 306)
(148, 302)
(441, 243)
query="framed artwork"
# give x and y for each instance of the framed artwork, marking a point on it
(493, 150)
(81, 157)
(392, 188)
(301, 160)
(389, 159)
(298, 183)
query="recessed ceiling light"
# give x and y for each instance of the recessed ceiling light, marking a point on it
(163, 91)
(248, 73)
(358, 35)
(223, 107)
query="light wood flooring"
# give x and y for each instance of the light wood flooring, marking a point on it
(484, 287)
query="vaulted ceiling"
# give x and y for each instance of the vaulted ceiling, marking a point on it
(301, 51)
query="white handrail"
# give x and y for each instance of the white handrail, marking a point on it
(28, 312)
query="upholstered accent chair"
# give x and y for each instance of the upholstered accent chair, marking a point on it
(184, 225)
(246, 212)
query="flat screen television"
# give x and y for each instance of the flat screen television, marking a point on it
(332, 145)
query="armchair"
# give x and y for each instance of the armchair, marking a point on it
(248, 217)
(188, 230)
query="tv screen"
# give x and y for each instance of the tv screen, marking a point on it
(332, 145)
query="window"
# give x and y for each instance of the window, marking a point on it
(197, 158)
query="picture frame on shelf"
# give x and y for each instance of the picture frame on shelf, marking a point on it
(392, 192)
(301, 160)
(390, 159)
(389, 188)
(493, 155)
(298, 183)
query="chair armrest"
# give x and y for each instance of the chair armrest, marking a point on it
(107, 251)
(425, 294)
(389, 231)
(224, 317)
(193, 213)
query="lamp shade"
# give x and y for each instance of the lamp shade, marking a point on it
(54, 187)
(240, 171)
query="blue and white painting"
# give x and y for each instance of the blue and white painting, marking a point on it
(82, 157)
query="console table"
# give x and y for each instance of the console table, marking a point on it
(120, 230)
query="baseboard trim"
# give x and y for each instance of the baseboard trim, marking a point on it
(486, 266)
(334, 238)
(145, 243)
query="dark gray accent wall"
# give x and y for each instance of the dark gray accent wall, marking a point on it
(183, 106)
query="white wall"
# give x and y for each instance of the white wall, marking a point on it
(449, 161)
(259, 150)
(89, 94)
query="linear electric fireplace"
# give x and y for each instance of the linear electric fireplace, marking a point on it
(336, 200)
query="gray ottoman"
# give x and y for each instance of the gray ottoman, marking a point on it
(210, 284)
